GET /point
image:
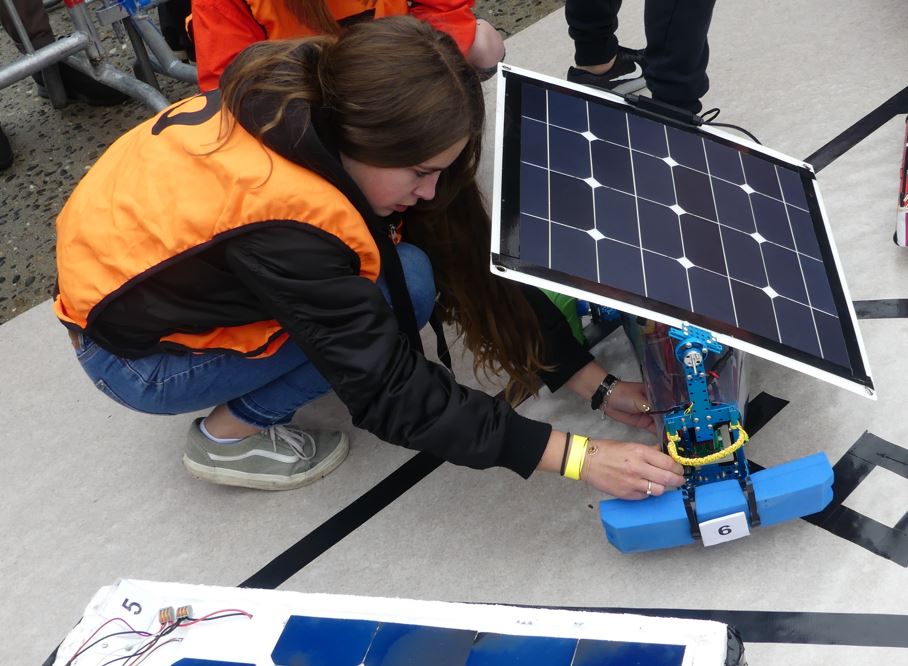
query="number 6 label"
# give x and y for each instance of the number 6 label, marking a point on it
(726, 528)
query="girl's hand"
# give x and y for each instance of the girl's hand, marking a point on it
(629, 470)
(628, 404)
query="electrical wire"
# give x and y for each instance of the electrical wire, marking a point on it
(216, 615)
(82, 648)
(143, 649)
(709, 118)
(157, 647)
(155, 638)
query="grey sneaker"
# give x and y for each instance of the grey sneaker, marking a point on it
(282, 457)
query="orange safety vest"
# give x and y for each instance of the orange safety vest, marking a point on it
(281, 23)
(163, 190)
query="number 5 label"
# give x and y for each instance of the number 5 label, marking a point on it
(726, 528)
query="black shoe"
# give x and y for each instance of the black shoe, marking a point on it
(83, 88)
(625, 76)
(6, 152)
(637, 55)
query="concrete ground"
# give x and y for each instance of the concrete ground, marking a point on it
(93, 492)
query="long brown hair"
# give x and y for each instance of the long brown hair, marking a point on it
(399, 93)
(314, 14)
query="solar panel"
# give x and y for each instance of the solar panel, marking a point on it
(599, 199)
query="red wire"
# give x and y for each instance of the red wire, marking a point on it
(217, 612)
(113, 619)
(145, 654)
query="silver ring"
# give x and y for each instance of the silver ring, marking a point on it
(649, 487)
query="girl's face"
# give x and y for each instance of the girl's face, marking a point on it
(390, 189)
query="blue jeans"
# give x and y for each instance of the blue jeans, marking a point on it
(260, 391)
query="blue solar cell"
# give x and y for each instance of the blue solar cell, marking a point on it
(695, 192)
(572, 201)
(614, 653)
(724, 162)
(754, 310)
(703, 244)
(569, 153)
(804, 235)
(784, 272)
(620, 266)
(533, 102)
(761, 175)
(653, 179)
(413, 645)
(687, 149)
(792, 187)
(501, 650)
(817, 285)
(533, 144)
(831, 338)
(711, 295)
(660, 229)
(666, 280)
(733, 206)
(534, 240)
(317, 641)
(796, 326)
(745, 261)
(771, 219)
(573, 252)
(616, 215)
(647, 136)
(534, 190)
(608, 124)
(612, 166)
(568, 112)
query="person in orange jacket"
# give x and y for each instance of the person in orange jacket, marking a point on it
(221, 29)
(236, 253)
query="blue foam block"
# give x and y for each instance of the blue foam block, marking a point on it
(787, 491)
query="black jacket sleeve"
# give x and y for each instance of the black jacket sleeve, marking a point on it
(309, 282)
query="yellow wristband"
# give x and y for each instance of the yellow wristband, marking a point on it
(576, 456)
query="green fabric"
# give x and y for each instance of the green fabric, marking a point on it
(568, 307)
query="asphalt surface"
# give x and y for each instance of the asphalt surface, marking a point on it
(54, 148)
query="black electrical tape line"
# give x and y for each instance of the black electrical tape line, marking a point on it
(343, 523)
(760, 411)
(896, 308)
(858, 629)
(859, 131)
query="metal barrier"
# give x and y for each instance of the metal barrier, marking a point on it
(83, 50)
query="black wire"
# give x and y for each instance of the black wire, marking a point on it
(103, 638)
(713, 113)
(145, 649)
(709, 118)
(155, 638)
(740, 129)
(148, 646)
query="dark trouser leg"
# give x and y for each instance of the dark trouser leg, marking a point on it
(677, 50)
(34, 17)
(592, 25)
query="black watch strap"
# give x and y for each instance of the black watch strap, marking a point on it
(599, 395)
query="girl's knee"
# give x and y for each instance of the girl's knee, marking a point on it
(420, 281)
